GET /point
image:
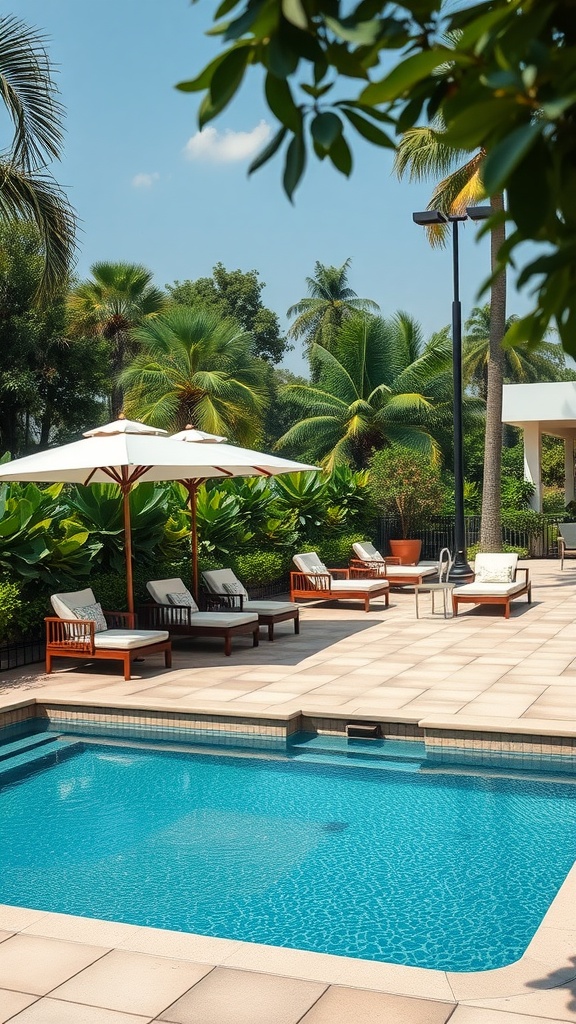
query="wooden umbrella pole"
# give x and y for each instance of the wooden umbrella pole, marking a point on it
(125, 487)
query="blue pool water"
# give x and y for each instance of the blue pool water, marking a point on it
(392, 860)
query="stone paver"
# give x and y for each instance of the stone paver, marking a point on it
(236, 997)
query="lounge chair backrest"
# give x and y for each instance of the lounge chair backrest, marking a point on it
(367, 552)
(309, 561)
(64, 604)
(159, 590)
(224, 581)
(568, 533)
(495, 568)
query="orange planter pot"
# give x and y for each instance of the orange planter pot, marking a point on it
(408, 551)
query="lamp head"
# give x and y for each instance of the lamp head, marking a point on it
(426, 217)
(479, 212)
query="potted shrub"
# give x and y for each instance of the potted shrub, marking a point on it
(405, 483)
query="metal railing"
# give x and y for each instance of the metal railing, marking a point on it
(18, 653)
(439, 533)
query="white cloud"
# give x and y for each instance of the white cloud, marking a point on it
(145, 180)
(228, 146)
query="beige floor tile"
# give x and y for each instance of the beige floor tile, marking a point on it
(519, 978)
(13, 919)
(243, 997)
(554, 1004)
(476, 1015)
(31, 963)
(79, 929)
(202, 949)
(132, 982)
(351, 1006)
(12, 1002)
(54, 1011)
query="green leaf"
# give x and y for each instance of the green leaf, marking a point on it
(361, 33)
(225, 82)
(280, 56)
(369, 131)
(294, 12)
(470, 128)
(316, 91)
(341, 156)
(295, 164)
(365, 108)
(410, 71)
(556, 108)
(202, 81)
(325, 129)
(281, 102)
(268, 152)
(507, 155)
(225, 7)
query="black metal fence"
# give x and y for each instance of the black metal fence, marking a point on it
(439, 533)
(18, 653)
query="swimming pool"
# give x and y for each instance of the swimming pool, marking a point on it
(387, 858)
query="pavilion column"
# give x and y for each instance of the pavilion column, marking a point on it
(568, 469)
(533, 462)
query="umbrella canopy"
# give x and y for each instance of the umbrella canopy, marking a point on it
(233, 461)
(124, 452)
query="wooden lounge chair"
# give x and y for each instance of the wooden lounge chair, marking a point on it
(314, 581)
(372, 563)
(566, 541)
(83, 631)
(175, 609)
(226, 590)
(494, 582)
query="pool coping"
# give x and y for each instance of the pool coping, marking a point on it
(547, 963)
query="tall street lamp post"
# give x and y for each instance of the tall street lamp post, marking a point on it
(460, 571)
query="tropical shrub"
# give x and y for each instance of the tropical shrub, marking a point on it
(405, 483)
(336, 552)
(510, 549)
(258, 568)
(554, 501)
(98, 508)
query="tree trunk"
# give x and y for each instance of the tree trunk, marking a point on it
(491, 526)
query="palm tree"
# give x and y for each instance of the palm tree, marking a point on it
(118, 298)
(423, 155)
(381, 385)
(522, 365)
(195, 367)
(330, 302)
(26, 190)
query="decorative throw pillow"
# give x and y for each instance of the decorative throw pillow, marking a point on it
(234, 588)
(319, 568)
(94, 612)
(183, 599)
(496, 574)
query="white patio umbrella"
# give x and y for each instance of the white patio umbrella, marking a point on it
(232, 461)
(126, 452)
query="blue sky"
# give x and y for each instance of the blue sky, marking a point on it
(146, 193)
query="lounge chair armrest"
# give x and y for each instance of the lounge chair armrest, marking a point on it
(310, 581)
(561, 543)
(341, 572)
(525, 570)
(361, 568)
(229, 602)
(163, 616)
(77, 634)
(120, 620)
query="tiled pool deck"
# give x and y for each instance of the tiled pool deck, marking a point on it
(478, 673)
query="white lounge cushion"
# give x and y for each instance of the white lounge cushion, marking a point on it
(220, 619)
(224, 581)
(127, 639)
(364, 586)
(65, 604)
(367, 552)
(413, 571)
(269, 607)
(497, 567)
(160, 589)
(490, 589)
